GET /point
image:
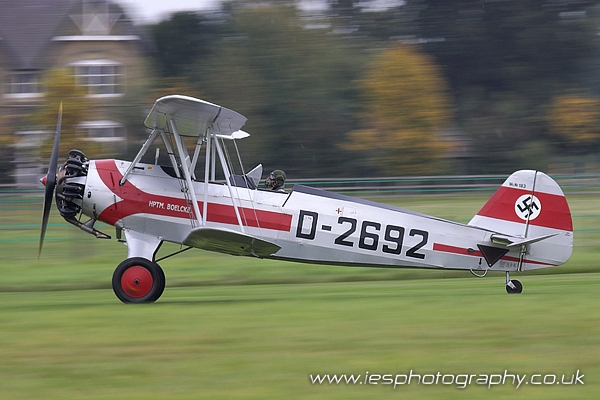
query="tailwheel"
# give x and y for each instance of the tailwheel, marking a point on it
(138, 280)
(516, 286)
(512, 286)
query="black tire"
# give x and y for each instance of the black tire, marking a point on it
(138, 280)
(518, 287)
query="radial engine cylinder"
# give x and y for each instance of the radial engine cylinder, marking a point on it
(70, 185)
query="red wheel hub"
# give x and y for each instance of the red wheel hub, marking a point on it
(137, 281)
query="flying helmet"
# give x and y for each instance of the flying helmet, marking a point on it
(275, 180)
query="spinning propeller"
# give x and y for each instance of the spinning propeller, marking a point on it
(50, 181)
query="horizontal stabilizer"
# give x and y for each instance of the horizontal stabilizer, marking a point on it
(512, 241)
(230, 242)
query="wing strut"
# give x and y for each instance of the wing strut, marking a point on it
(185, 166)
(228, 181)
(206, 175)
(140, 154)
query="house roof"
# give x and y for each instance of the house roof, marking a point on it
(28, 26)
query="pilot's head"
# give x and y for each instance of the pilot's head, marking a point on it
(275, 180)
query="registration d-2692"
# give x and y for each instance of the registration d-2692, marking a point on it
(372, 235)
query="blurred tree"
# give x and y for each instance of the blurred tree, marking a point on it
(61, 88)
(406, 106)
(8, 126)
(181, 40)
(504, 61)
(508, 45)
(575, 121)
(374, 23)
(180, 85)
(293, 84)
(294, 76)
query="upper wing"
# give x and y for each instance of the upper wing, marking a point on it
(193, 116)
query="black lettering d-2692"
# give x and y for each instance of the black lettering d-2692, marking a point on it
(313, 227)
(369, 238)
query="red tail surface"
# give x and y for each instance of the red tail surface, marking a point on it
(530, 205)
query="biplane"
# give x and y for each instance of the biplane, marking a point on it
(200, 200)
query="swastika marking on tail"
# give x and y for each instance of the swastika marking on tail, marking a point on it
(528, 207)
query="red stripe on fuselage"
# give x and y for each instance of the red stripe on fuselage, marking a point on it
(136, 201)
(555, 210)
(445, 248)
(456, 250)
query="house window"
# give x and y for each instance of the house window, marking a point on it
(100, 77)
(102, 131)
(24, 84)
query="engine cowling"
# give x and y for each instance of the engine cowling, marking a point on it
(70, 185)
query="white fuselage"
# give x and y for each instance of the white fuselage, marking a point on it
(310, 225)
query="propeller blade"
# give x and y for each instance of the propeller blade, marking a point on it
(50, 181)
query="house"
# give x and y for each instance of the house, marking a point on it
(91, 39)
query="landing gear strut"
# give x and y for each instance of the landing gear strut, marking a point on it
(513, 286)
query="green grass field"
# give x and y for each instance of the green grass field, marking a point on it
(230, 327)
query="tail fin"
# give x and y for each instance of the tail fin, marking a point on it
(530, 205)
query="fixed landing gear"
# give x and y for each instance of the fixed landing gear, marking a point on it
(138, 280)
(513, 286)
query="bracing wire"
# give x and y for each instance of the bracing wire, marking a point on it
(174, 254)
